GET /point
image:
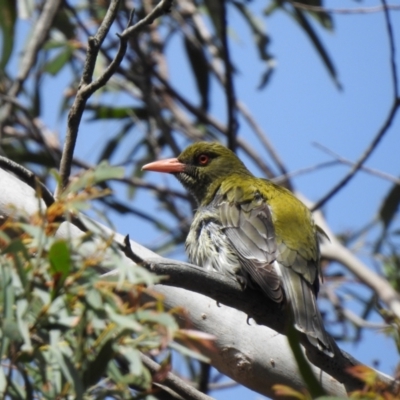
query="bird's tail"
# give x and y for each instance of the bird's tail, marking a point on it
(306, 315)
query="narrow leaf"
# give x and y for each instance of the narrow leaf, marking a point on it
(8, 15)
(299, 16)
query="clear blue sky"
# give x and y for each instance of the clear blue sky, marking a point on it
(299, 107)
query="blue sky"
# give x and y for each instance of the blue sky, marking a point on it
(300, 106)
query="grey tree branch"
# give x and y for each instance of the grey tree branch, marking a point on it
(357, 10)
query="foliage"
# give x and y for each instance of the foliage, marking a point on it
(64, 331)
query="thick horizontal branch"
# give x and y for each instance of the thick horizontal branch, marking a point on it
(253, 355)
(255, 305)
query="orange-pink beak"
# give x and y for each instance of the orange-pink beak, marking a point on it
(171, 165)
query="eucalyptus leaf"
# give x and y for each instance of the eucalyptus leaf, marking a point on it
(8, 17)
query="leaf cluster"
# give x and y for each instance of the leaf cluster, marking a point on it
(63, 331)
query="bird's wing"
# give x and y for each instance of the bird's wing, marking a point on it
(249, 229)
(278, 270)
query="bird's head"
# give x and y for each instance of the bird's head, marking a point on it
(201, 168)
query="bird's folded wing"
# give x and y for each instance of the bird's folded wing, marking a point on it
(249, 228)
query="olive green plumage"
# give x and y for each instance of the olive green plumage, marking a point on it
(254, 230)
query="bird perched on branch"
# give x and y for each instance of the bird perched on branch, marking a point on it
(252, 229)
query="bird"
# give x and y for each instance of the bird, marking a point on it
(253, 230)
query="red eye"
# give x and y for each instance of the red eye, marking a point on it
(203, 159)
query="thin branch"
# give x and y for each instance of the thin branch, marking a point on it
(263, 139)
(358, 10)
(342, 160)
(172, 381)
(357, 166)
(198, 112)
(132, 181)
(31, 123)
(255, 157)
(386, 125)
(350, 315)
(87, 88)
(84, 92)
(335, 251)
(232, 125)
(392, 49)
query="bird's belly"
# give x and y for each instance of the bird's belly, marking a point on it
(207, 246)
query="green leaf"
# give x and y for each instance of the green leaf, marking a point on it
(8, 15)
(54, 66)
(160, 318)
(199, 64)
(305, 369)
(96, 367)
(188, 352)
(15, 247)
(214, 12)
(110, 112)
(7, 292)
(101, 173)
(3, 382)
(60, 258)
(390, 206)
(331, 398)
(299, 16)
(138, 374)
(322, 17)
(11, 330)
(94, 299)
(63, 23)
(69, 371)
(123, 321)
(23, 325)
(387, 212)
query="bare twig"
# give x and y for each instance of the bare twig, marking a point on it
(174, 382)
(263, 138)
(358, 10)
(87, 87)
(343, 160)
